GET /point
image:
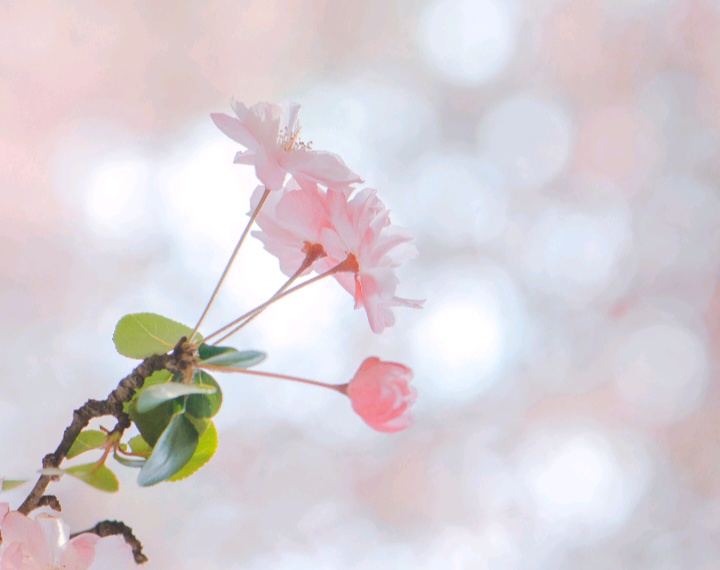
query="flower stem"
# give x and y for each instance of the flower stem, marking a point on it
(254, 313)
(311, 255)
(349, 264)
(102, 460)
(337, 387)
(230, 262)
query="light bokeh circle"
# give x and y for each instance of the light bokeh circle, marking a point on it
(467, 41)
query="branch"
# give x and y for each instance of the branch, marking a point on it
(177, 361)
(110, 528)
(50, 501)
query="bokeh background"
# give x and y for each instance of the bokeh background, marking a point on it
(558, 162)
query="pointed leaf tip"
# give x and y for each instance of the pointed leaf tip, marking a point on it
(7, 484)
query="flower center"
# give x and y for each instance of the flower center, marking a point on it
(290, 140)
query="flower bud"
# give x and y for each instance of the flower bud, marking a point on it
(380, 393)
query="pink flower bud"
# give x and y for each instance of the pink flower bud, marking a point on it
(381, 394)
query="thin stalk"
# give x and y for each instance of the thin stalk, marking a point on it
(102, 460)
(230, 262)
(257, 310)
(337, 387)
(349, 264)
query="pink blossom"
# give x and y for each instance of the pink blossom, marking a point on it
(44, 543)
(270, 133)
(291, 222)
(380, 393)
(356, 231)
(361, 228)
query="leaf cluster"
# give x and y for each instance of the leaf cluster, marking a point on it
(172, 412)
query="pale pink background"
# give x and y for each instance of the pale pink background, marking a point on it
(558, 161)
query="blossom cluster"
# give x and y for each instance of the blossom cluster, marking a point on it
(314, 217)
(44, 543)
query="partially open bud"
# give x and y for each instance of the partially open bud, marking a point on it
(380, 393)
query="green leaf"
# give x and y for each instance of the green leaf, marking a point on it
(200, 425)
(129, 461)
(205, 450)
(152, 396)
(159, 377)
(96, 476)
(138, 445)
(86, 441)
(208, 404)
(153, 423)
(227, 357)
(8, 484)
(143, 334)
(173, 450)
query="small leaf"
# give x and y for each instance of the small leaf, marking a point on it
(152, 396)
(138, 445)
(173, 450)
(205, 450)
(206, 351)
(227, 357)
(200, 425)
(86, 441)
(143, 334)
(159, 377)
(129, 461)
(96, 476)
(8, 484)
(152, 424)
(208, 404)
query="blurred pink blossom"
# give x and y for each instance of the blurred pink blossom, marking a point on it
(380, 393)
(270, 132)
(44, 543)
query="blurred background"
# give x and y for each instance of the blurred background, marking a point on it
(558, 163)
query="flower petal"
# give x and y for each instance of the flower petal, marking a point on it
(234, 129)
(269, 172)
(79, 553)
(321, 167)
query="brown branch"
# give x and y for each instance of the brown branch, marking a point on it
(111, 528)
(50, 501)
(177, 361)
